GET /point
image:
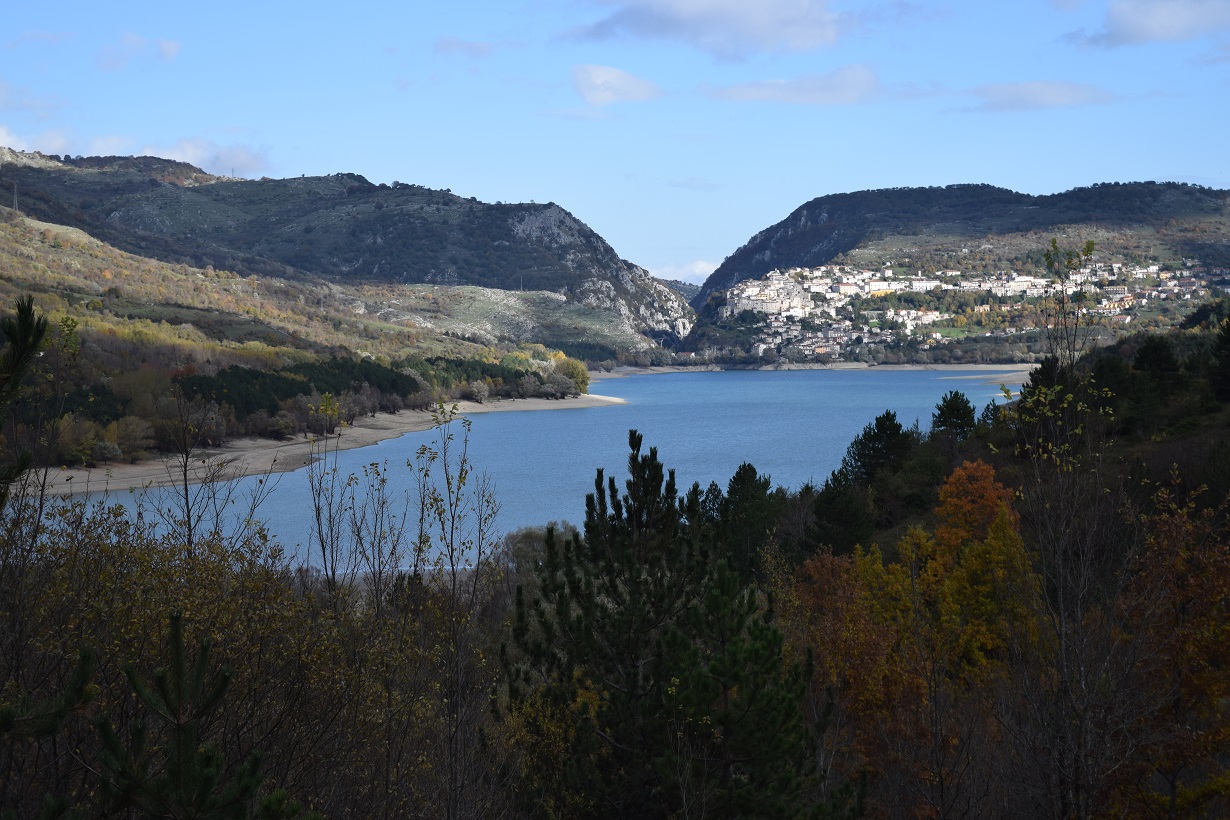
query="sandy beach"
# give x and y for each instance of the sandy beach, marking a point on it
(258, 456)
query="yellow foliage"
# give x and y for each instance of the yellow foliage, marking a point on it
(574, 370)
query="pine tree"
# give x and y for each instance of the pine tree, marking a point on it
(748, 519)
(954, 415)
(32, 719)
(843, 515)
(668, 666)
(883, 445)
(1219, 374)
(735, 735)
(23, 335)
(179, 774)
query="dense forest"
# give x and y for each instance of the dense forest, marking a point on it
(1019, 612)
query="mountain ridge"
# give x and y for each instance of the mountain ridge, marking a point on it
(826, 227)
(341, 227)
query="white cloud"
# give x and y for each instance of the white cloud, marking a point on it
(48, 142)
(116, 57)
(696, 272)
(109, 146)
(203, 153)
(1142, 21)
(53, 142)
(39, 36)
(603, 85)
(9, 139)
(239, 160)
(846, 86)
(1038, 95)
(899, 13)
(465, 48)
(1219, 54)
(16, 99)
(728, 28)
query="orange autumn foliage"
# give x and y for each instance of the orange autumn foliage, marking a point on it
(970, 501)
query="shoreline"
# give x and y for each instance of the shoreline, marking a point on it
(257, 456)
(624, 371)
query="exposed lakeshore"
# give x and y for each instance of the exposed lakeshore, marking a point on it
(255, 456)
(259, 456)
(620, 372)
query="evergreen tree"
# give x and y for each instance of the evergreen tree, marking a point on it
(1156, 358)
(23, 335)
(667, 665)
(32, 719)
(1219, 376)
(883, 445)
(954, 416)
(843, 515)
(179, 775)
(735, 734)
(748, 518)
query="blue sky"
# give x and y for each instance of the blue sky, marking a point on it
(675, 128)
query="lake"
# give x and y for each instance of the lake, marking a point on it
(793, 425)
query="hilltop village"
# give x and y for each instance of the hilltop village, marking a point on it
(840, 312)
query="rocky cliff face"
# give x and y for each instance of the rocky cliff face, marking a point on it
(27, 159)
(343, 227)
(643, 303)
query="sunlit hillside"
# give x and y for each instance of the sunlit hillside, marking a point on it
(203, 314)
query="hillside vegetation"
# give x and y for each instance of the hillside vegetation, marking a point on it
(71, 272)
(984, 228)
(257, 354)
(343, 229)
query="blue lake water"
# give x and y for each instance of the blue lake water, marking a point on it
(793, 425)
